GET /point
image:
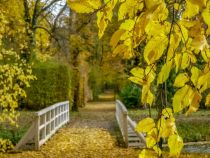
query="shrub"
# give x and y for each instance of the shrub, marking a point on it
(5, 145)
(130, 95)
(52, 85)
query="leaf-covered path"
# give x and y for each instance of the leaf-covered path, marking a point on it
(92, 133)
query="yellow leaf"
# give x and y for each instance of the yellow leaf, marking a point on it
(150, 74)
(177, 6)
(129, 8)
(178, 60)
(191, 9)
(138, 76)
(138, 72)
(139, 29)
(206, 55)
(167, 112)
(206, 15)
(185, 61)
(182, 98)
(175, 144)
(122, 11)
(157, 150)
(143, 77)
(181, 80)
(151, 3)
(161, 12)
(136, 80)
(155, 48)
(147, 96)
(166, 126)
(203, 82)
(180, 28)
(120, 49)
(145, 153)
(104, 16)
(174, 43)
(155, 28)
(200, 42)
(150, 141)
(116, 37)
(200, 3)
(207, 103)
(164, 73)
(145, 125)
(127, 25)
(195, 102)
(102, 23)
(195, 75)
(84, 6)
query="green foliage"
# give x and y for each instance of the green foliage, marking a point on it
(52, 85)
(130, 96)
(95, 82)
(13, 134)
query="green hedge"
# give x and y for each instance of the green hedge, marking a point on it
(130, 96)
(52, 85)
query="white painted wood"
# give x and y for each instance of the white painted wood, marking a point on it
(121, 116)
(132, 125)
(47, 122)
(131, 137)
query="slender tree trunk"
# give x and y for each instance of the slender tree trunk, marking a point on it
(74, 61)
(27, 51)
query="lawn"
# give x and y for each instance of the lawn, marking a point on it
(192, 128)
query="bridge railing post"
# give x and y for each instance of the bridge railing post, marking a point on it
(121, 116)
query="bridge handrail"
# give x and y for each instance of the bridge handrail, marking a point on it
(124, 121)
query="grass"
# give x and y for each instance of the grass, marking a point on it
(192, 131)
(16, 133)
(192, 128)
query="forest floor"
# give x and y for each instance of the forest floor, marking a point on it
(92, 133)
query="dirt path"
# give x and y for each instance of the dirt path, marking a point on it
(96, 115)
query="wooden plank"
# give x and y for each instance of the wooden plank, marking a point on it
(121, 106)
(136, 145)
(45, 110)
(133, 139)
(132, 125)
(132, 135)
(29, 135)
(37, 134)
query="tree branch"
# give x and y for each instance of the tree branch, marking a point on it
(51, 35)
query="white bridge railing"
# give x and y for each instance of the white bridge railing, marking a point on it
(131, 137)
(47, 122)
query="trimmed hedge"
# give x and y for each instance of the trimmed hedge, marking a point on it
(53, 85)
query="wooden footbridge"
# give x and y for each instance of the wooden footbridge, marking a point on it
(127, 126)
